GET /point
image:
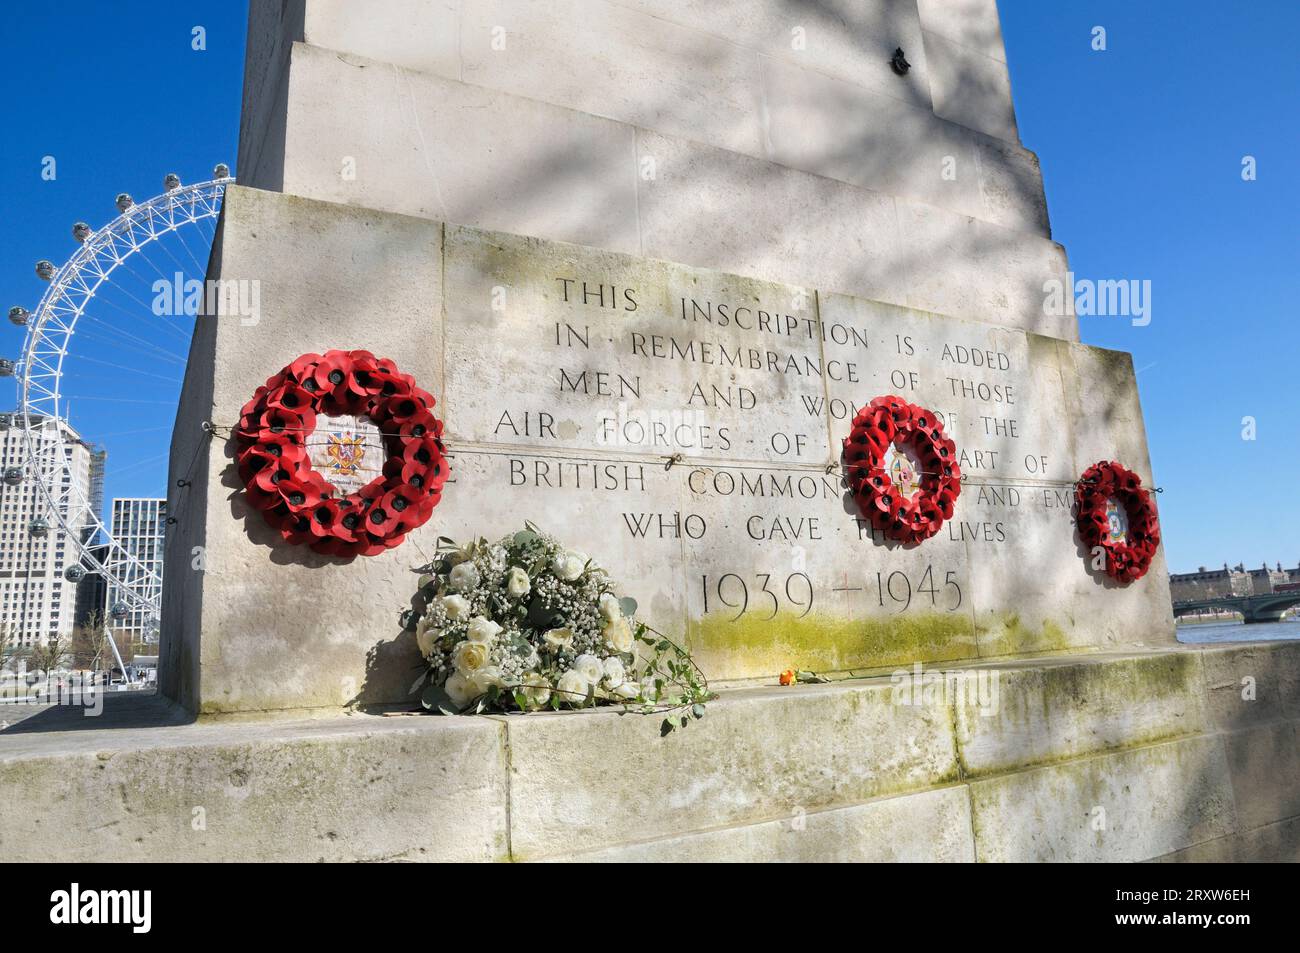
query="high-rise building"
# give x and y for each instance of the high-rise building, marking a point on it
(92, 591)
(138, 526)
(37, 601)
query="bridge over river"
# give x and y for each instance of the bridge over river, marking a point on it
(1263, 607)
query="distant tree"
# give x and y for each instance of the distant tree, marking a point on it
(11, 647)
(47, 656)
(90, 647)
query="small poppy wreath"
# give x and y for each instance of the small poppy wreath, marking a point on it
(295, 499)
(1129, 558)
(892, 420)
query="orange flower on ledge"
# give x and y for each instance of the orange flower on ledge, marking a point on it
(788, 677)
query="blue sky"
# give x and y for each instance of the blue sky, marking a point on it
(1141, 148)
(116, 94)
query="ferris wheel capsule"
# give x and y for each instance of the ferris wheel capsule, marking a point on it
(6, 421)
(121, 610)
(74, 573)
(13, 475)
(221, 171)
(39, 527)
(18, 315)
(45, 269)
(80, 231)
(123, 201)
(171, 182)
(6, 367)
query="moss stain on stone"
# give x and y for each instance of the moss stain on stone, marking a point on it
(754, 647)
(1011, 635)
(1078, 702)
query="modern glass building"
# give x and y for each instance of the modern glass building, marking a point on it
(138, 525)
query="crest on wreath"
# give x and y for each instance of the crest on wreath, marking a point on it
(345, 450)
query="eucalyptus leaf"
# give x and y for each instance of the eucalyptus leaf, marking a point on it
(628, 605)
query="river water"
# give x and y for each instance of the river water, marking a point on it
(1239, 631)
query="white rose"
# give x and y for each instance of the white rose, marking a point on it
(610, 607)
(589, 667)
(456, 607)
(483, 630)
(618, 635)
(628, 691)
(425, 636)
(568, 565)
(486, 678)
(615, 674)
(459, 689)
(517, 583)
(572, 687)
(469, 657)
(463, 577)
(558, 639)
(536, 689)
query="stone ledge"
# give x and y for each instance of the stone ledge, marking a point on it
(928, 827)
(865, 779)
(346, 788)
(601, 778)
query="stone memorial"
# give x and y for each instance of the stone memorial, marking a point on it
(652, 258)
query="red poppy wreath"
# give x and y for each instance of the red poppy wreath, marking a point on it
(918, 436)
(280, 480)
(1104, 492)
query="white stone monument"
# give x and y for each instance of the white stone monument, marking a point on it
(651, 258)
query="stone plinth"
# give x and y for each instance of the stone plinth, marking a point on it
(682, 425)
(1113, 757)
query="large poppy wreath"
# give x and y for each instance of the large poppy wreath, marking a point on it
(1102, 492)
(893, 421)
(274, 460)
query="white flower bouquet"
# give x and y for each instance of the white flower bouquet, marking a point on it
(525, 623)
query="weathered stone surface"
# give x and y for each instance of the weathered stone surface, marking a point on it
(827, 772)
(251, 623)
(1273, 844)
(1125, 806)
(931, 827)
(595, 779)
(681, 425)
(807, 86)
(1054, 712)
(416, 143)
(1265, 763)
(973, 24)
(358, 788)
(970, 87)
(1249, 685)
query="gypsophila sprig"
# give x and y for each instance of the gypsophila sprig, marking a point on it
(525, 623)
